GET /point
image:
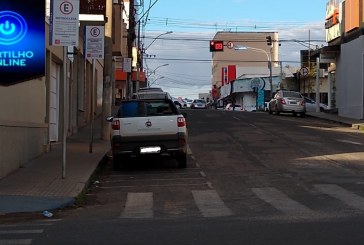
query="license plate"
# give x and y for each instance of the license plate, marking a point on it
(151, 149)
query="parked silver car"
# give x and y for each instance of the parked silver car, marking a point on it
(198, 104)
(287, 101)
(311, 105)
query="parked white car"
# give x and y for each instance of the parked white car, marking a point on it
(189, 102)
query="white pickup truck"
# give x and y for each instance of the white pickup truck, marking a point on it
(148, 126)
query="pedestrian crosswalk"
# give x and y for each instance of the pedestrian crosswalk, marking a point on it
(23, 233)
(343, 195)
(209, 204)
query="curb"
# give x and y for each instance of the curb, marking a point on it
(359, 126)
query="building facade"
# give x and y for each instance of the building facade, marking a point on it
(69, 95)
(344, 25)
(241, 72)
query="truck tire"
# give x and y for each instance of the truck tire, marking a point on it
(116, 161)
(182, 160)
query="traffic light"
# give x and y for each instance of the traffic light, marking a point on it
(216, 46)
(269, 40)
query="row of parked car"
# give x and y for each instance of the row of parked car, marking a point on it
(285, 101)
(193, 104)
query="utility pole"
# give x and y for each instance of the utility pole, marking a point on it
(107, 89)
(131, 37)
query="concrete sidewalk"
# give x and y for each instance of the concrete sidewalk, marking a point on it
(39, 185)
(357, 124)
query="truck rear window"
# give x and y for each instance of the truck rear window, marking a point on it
(146, 108)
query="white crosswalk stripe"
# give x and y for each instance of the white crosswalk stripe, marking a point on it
(349, 198)
(280, 201)
(21, 232)
(210, 204)
(16, 242)
(138, 206)
(23, 229)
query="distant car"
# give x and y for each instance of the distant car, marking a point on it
(151, 93)
(229, 107)
(183, 103)
(287, 101)
(188, 102)
(198, 104)
(180, 104)
(150, 89)
(311, 105)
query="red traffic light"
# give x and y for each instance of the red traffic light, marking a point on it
(269, 40)
(216, 46)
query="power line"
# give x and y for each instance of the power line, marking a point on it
(256, 25)
(210, 60)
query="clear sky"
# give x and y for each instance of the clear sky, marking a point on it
(194, 22)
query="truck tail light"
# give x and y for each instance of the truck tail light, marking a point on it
(115, 125)
(181, 122)
(182, 142)
(283, 101)
(303, 103)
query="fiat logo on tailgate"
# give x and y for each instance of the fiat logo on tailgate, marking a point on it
(148, 124)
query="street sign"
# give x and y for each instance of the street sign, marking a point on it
(64, 22)
(304, 71)
(230, 45)
(94, 42)
(127, 64)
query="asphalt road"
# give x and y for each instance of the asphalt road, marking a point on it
(252, 178)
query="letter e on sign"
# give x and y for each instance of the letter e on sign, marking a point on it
(66, 8)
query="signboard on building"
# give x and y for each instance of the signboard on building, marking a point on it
(327, 57)
(94, 42)
(22, 41)
(333, 20)
(127, 65)
(64, 22)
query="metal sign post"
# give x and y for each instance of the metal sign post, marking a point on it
(64, 32)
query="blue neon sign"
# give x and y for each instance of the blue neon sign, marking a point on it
(22, 41)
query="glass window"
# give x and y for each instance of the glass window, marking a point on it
(291, 94)
(131, 109)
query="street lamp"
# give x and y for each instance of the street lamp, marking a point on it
(153, 72)
(269, 58)
(141, 54)
(168, 32)
(155, 81)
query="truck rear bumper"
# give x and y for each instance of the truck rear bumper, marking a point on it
(169, 144)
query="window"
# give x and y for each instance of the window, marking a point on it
(130, 109)
(291, 94)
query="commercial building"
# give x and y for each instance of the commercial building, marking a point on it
(247, 70)
(36, 111)
(344, 25)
